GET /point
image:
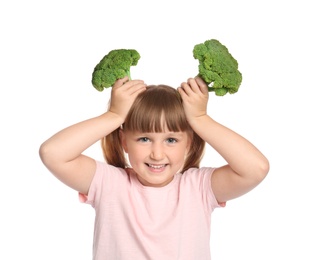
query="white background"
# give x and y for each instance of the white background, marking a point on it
(48, 52)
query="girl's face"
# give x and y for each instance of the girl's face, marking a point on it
(156, 157)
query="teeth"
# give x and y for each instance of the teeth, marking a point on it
(156, 166)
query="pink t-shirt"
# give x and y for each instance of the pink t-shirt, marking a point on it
(146, 223)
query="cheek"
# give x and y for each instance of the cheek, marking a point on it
(131, 147)
(186, 150)
(135, 151)
(180, 154)
(135, 158)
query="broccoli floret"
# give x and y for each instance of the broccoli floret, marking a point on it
(217, 67)
(115, 65)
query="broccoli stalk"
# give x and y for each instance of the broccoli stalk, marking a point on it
(115, 65)
(217, 67)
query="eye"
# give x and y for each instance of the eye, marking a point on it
(171, 140)
(143, 139)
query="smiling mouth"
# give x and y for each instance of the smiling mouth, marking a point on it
(156, 166)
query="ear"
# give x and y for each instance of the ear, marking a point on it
(123, 142)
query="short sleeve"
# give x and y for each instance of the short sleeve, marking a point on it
(95, 186)
(206, 174)
(201, 178)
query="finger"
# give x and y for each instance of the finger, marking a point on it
(120, 82)
(202, 85)
(128, 84)
(193, 84)
(185, 88)
(138, 88)
(134, 87)
(182, 92)
(142, 88)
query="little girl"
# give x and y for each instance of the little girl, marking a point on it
(152, 201)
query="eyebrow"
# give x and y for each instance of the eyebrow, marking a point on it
(167, 134)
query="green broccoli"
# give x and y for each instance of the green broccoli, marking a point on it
(217, 67)
(115, 65)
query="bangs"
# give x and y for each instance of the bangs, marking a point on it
(157, 109)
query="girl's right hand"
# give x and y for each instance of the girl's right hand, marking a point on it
(123, 95)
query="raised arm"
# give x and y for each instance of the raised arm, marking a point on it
(62, 153)
(246, 167)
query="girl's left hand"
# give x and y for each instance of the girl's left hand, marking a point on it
(195, 97)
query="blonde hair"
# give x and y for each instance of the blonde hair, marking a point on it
(154, 109)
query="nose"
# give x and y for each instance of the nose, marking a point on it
(157, 152)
